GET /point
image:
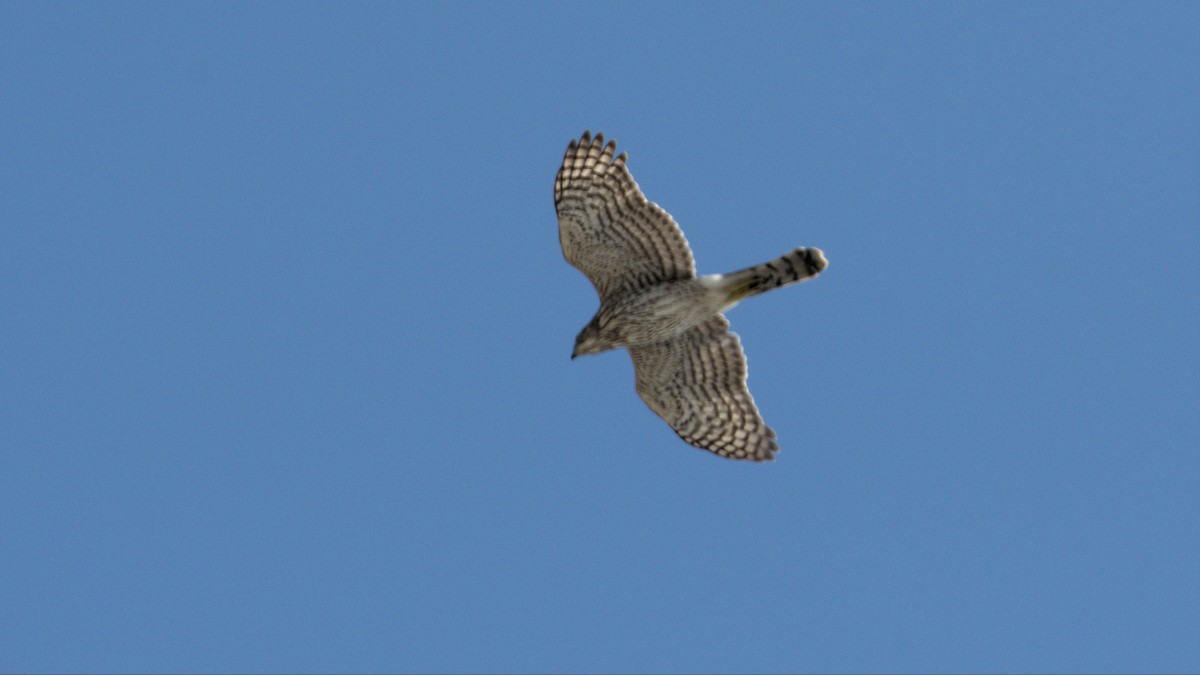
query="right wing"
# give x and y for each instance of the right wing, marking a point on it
(697, 384)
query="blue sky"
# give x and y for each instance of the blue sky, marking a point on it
(286, 327)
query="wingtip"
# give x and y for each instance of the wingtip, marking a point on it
(598, 139)
(765, 452)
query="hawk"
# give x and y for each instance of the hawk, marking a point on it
(688, 366)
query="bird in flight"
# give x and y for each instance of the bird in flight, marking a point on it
(688, 366)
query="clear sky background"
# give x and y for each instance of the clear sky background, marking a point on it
(284, 338)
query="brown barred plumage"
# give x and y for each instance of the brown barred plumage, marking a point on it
(689, 367)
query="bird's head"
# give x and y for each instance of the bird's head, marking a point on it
(590, 340)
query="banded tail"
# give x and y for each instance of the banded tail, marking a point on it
(799, 265)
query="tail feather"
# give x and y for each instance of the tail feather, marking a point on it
(799, 265)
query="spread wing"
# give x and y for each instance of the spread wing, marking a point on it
(697, 384)
(608, 229)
